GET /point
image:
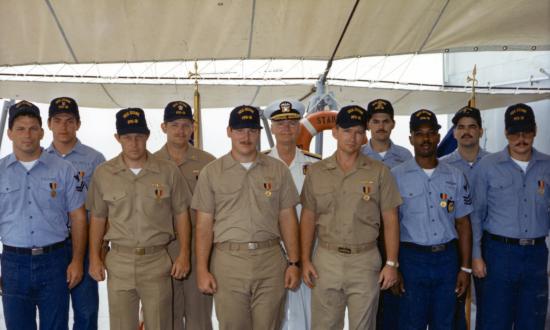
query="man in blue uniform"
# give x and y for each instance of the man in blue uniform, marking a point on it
(64, 122)
(435, 231)
(37, 190)
(510, 222)
(380, 122)
(467, 132)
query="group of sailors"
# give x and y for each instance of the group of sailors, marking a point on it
(277, 239)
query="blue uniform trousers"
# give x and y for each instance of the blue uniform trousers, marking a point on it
(515, 290)
(35, 281)
(85, 298)
(430, 281)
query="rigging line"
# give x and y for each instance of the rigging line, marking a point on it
(434, 26)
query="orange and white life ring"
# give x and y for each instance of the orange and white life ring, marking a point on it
(312, 124)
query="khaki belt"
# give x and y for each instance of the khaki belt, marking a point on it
(137, 250)
(347, 249)
(232, 246)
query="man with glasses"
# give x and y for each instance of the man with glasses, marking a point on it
(510, 223)
(285, 118)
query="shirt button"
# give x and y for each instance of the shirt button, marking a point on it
(524, 185)
(29, 202)
(435, 234)
(525, 199)
(30, 217)
(431, 206)
(430, 192)
(28, 187)
(525, 230)
(433, 220)
(32, 232)
(28, 173)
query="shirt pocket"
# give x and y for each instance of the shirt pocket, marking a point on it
(8, 187)
(227, 197)
(324, 199)
(267, 195)
(52, 195)
(157, 202)
(501, 192)
(413, 200)
(543, 196)
(118, 203)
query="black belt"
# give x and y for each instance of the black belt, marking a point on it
(429, 248)
(516, 241)
(34, 251)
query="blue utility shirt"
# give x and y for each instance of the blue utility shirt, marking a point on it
(455, 159)
(34, 204)
(509, 202)
(394, 156)
(431, 204)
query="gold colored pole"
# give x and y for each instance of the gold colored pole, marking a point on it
(197, 136)
(468, 302)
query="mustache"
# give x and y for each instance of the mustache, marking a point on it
(381, 131)
(466, 136)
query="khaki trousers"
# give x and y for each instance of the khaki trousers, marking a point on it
(251, 292)
(345, 280)
(192, 309)
(132, 278)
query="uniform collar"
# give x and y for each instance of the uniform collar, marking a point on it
(78, 148)
(151, 164)
(504, 156)
(298, 156)
(412, 166)
(361, 162)
(391, 149)
(455, 155)
(228, 161)
(44, 158)
(190, 154)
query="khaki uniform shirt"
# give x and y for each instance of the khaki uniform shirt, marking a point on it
(140, 208)
(245, 203)
(190, 167)
(347, 206)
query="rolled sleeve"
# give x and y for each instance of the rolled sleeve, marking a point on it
(289, 194)
(181, 194)
(94, 200)
(203, 196)
(389, 192)
(307, 198)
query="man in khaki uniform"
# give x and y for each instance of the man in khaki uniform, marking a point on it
(144, 198)
(342, 200)
(192, 309)
(245, 203)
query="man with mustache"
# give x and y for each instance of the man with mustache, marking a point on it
(64, 122)
(192, 309)
(245, 204)
(285, 118)
(380, 121)
(467, 132)
(510, 223)
(436, 237)
(346, 199)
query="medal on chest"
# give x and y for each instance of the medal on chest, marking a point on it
(540, 184)
(367, 189)
(196, 174)
(443, 202)
(267, 186)
(158, 191)
(53, 189)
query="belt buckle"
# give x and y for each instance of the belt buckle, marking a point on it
(438, 248)
(344, 250)
(37, 251)
(252, 245)
(140, 251)
(526, 241)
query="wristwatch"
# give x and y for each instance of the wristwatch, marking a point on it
(393, 264)
(295, 263)
(466, 270)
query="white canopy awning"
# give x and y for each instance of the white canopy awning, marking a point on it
(100, 31)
